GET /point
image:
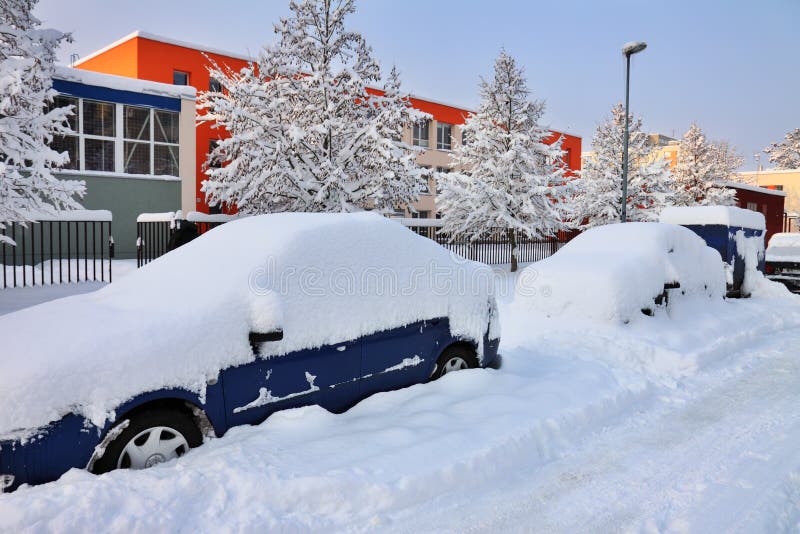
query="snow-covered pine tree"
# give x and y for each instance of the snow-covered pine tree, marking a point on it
(786, 154)
(306, 133)
(650, 183)
(27, 58)
(701, 168)
(506, 177)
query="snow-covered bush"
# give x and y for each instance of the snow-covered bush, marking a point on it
(506, 176)
(650, 183)
(27, 61)
(613, 272)
(306, 134)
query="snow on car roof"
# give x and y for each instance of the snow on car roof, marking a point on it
(784, 247)
(611, 272)
(725, 215)
(321, 278)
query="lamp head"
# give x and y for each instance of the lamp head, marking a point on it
(633, 47)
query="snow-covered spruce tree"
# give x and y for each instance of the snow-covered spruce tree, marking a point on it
(786, 154)
(305, 132)
(27, 56)
(650, 183)
(701, 169)
(506, 177)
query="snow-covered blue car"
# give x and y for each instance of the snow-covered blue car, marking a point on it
(262, 314)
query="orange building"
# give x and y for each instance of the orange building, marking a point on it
(160, 59)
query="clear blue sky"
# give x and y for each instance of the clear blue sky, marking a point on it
(732, 66)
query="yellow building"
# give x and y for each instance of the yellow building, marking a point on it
(786, 180)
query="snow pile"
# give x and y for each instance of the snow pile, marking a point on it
(751, 250)
(784, 247)
(710, 215)
(480, 446)
(176, 322)
(611, 273)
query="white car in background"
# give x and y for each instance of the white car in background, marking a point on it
(783, 260)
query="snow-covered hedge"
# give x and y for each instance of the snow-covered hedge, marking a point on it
(612, 272)
(321, 278)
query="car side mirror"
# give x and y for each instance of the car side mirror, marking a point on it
(256, 338)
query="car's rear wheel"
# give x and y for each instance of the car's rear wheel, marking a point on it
(453, 359)
(151, 437)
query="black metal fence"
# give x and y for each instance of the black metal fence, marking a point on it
(153, 236)
(155, 231)
(495, 248)
(56, 252)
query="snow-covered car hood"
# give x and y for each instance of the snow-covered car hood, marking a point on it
(321, 278)
(612, 272)
(784, 247)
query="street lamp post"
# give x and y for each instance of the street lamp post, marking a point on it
(628, 50)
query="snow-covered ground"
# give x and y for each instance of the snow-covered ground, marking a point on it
(17, 298)
(685, 421)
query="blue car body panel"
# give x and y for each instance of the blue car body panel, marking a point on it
(335, 377)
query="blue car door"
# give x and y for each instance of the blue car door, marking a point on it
(399, 357)
(327, 376)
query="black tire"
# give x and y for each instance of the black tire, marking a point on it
(463, 352)
(176, 421)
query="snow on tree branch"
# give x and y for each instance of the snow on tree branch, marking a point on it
(27, 126)
(701, 169)
(506, 176)
(786, 154)
(650, 183)
(306, 133)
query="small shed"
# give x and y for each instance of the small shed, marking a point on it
(768, 202)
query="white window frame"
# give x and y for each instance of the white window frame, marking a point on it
(440, 145)
(422, 126)
(119, 138)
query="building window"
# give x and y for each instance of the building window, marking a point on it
(444, 136)
(99, 131)
(138, 146)
(166, 145)
(180, 77)
(111, 137)
(420, 133)
(752, 206)
(99, 118)
(464, 137)
(99, 155)
(69, 143)
(214, 85)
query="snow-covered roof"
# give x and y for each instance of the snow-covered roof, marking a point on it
(211, 50)
(162, 39)
(123, 83)
(709, 215)
(754, 188)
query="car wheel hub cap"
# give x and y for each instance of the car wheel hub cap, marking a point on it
(152, 446)
(157, 458)
(454, 364)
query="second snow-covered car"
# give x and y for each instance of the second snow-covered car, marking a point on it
(259, 315)
(782, 260)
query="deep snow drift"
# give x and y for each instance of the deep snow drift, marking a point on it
(321, 278)
(442, 456)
